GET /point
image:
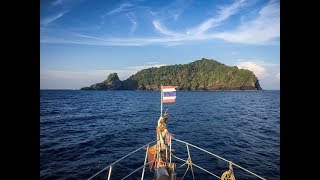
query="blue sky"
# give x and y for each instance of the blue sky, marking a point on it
(82, 41)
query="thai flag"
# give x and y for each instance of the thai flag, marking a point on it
(169, 94)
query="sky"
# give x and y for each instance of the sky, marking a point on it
(82, 41)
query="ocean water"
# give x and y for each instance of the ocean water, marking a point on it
(82, 132)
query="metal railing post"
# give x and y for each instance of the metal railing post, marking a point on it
(170, 147)
(145, 161)
(158, 148)
(120, 160)
(109, 175)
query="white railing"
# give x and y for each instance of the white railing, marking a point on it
(190, 164)
(147, 145)
(187, 161)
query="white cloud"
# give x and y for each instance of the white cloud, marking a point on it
(152, 62)
(101, 41)
(260, 30)
(257, 68)
(267, 73)
(65, 3)
(172, 11)
(57, 2)
(264, 28)
(257, 31)
(57, 79)
(278, 76)
(163, 30)
(223, 14)
(138, 68)
(133, 22)
(50, 19)
(122, 7)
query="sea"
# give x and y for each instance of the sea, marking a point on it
(82, 132)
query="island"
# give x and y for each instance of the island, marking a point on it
(199, 75)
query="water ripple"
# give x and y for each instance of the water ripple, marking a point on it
(83, 131)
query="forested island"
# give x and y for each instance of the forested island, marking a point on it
(200, 75)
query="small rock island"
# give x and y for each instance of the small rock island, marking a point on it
(200, 75)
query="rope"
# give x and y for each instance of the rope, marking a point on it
(190, 162)
(196, 166)
(120, 159)
(219, 157)
(135, 170)
(185, 172)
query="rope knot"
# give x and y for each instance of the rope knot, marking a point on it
(189, 161)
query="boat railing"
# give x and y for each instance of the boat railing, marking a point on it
(190, 163)
(186, 161)
(115, 162)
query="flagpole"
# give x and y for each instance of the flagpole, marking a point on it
(161, 100)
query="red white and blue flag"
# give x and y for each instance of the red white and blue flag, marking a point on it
(169, 94)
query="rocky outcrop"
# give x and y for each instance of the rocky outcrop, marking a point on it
(111, 83)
